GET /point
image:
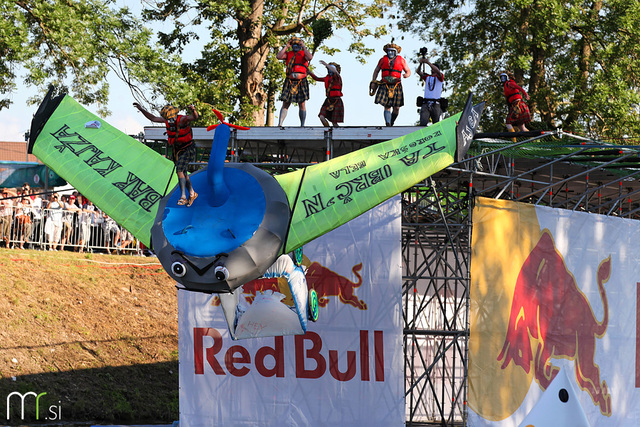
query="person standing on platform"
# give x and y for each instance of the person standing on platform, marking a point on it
(180, 136)
(519, 114)
(296, 86)
(389, 90)
(332, 109)
(431, 109)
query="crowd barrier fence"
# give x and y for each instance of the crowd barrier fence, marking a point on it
(59, 229)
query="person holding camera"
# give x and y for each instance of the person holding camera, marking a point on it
(296, 86)
(430, 103)
(389, 92)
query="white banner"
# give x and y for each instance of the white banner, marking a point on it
(347, 370)
(554, 317)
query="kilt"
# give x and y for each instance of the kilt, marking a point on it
(184, 156)
(382, 95)
(335, 114)
(518, 113)
(296, 91)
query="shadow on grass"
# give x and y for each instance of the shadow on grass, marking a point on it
(136, 394)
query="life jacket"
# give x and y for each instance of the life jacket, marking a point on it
(333, 86)
(512, 91)
(179, 137)
(297, 63)
(388, 70)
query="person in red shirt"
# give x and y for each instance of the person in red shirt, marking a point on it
(296, 86)
(519, 114)
(389, 90)
(333, 108)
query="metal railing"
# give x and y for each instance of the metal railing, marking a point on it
(60, 229)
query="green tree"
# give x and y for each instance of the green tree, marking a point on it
(577, 59)
(237, 71)
(75, 45)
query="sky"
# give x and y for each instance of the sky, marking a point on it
(359, 107)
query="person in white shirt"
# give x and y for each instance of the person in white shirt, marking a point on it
(53, 224)
(85, 219)
(433, 83)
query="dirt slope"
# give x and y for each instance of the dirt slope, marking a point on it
(97, 333)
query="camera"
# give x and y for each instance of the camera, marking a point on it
(424, 51)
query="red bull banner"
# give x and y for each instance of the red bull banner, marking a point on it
(554, 317)
(347, 370)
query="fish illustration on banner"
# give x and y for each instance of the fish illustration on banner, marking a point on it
(244, 218)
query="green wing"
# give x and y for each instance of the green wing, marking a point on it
(120, 175)
(329, 194)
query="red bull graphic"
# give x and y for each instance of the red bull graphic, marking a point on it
(328, 283)
(550, 317)
(275, 284)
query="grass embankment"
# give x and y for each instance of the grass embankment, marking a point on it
(97, 333)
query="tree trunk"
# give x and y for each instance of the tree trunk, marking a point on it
(584, 63)
(522, 44)
(271, 105)
(252, 63)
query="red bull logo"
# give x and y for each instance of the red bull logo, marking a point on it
(328, 283)
(550, 317)
(275, 284)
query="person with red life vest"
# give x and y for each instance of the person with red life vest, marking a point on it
(180, 137)
(296, 86)
(389, 92)
(519, 114)
(333, 108)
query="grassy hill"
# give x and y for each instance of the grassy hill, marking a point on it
(97, 333)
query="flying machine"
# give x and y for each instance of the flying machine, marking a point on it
(245, 219)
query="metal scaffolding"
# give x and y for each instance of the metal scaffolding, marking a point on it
(553, 169)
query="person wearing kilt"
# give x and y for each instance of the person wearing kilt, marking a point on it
(333, 108)
(296, 86)
(180, 136)
(389, 91)
(519, 114)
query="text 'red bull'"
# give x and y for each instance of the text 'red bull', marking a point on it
(309, 362)
(549, 307)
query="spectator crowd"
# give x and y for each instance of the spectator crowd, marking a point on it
(32, 219)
